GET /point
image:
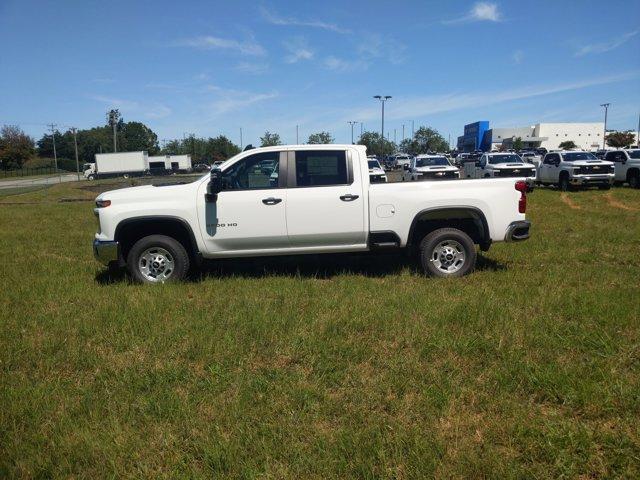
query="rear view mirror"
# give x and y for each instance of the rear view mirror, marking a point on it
(215, 185)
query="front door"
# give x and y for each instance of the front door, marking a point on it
(249, 213)
(325, 204)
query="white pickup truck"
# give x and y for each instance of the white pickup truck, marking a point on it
(322, 202)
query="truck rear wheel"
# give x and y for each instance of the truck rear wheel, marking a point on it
(447, 252)
(157, 259)
(634, 180)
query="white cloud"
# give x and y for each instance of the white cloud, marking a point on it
(342, 65)
(414, 107)
(148, 110)
(248, 47)
(606, 46)
(275, 19)
(378, 46)
(480, 12)
(517, 57)
(252, 67)
(298, 50)
(238, 101)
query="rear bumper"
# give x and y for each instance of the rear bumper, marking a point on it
(106, 251)
(517, 231)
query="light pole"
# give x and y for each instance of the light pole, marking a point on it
(297, 131)
(403, 132)
(382, 98)
(361, 126)
(352, 123)
(55, 155)
(604, 137)
(75, 144)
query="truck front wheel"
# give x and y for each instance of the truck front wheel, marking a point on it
(447, 252)
(157, 259)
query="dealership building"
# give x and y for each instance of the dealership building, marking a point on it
(479, 136)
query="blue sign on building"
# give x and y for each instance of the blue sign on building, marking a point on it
(475, 137)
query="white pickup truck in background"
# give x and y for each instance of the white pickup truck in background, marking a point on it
(321, 202)
(499, 165)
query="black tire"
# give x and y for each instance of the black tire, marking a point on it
(430, 250)
(563, 183)
(91, 177)
(634, 180)
(175, 255)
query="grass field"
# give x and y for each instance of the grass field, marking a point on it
(338, 367)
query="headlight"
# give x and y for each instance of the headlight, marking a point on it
(103, 203)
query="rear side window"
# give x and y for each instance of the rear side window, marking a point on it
(318, 168)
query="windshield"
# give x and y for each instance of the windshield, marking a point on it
(428, 162)
(373, 164)
(573, 156)
(634, 153)
(494, 159)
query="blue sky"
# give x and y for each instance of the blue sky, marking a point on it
(213, 67)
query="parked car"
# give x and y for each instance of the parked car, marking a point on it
(499, 165)
(201, 167)
(568, 169)
(322, 202)
(430, 167)
(376, 172)
(401, 159)
(626, 166)
(531, 157)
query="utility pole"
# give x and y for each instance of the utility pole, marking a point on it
(361, 126)
(394, 136)
(55, 155)
(383, 99)
(604, 137)
(352, 123)
(75, 144)
(403, 132)
(241, 139)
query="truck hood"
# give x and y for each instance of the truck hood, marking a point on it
(589, 163)
(144, 192)
(436, 168)
(509, 166)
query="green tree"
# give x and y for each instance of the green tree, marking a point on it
(568, 145)
(320, 138)
(16, 147)
(221, 148)
(517, 144)
(270, 139)
(136, 136)
(425, 140)
(376, 145)
(620, 139)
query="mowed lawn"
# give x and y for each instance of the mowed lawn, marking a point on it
(324, 367)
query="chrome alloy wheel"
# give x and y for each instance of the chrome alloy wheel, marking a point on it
(156, 264)
(448, 256)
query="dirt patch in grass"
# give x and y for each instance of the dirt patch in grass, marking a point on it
(616, 204)
(567, 201)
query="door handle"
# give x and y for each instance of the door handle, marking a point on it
(271, 201)
(349, 197)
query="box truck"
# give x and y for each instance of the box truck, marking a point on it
(125, 164)
(171, 163)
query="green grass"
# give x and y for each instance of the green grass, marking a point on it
(354, 367)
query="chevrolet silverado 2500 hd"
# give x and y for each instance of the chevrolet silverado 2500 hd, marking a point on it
(317, 199)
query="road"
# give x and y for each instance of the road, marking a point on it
(28, 182)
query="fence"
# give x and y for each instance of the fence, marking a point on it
(29, 172)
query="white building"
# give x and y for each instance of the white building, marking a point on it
(586, 136)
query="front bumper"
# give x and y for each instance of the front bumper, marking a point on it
(106, 251)
(592, 179)
(517, 231)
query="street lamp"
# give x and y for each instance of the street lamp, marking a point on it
(382, 98)
(604, 137)
(352, 124)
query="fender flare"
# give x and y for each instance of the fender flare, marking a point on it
(475, 213)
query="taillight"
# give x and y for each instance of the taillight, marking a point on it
(522, 187)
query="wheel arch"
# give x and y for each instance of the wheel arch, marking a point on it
(470, 220)
(130, 230)
(633, 172)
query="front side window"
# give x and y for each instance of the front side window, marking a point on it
(254, 172)
(317, 168)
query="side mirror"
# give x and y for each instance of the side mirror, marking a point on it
(215, 185)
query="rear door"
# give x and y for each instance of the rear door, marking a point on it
(325, 201)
